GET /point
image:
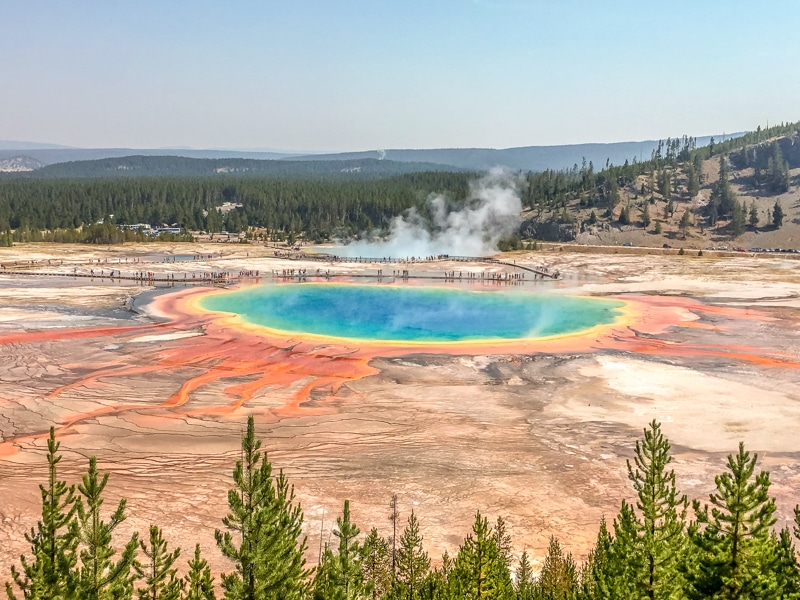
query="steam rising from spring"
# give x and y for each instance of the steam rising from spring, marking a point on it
(492, 212)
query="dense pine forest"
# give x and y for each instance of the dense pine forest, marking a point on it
(180, 166)
(319, 208)
(658, 546)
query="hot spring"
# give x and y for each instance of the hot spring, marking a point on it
(412, 314)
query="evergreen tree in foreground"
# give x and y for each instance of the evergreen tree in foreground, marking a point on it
(596, 573)
(99, 577)
(198, 583)
(377, 568)
(559, 577)
(502, 540)
(480, 572)
(659, 528)
(53, 542)
(735, 554)
(524, 580)
(269, 547)
(340, 576)
(158, 573)
(787, 569)
(412, 563)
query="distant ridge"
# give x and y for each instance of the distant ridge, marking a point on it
(15, 145)
(51, 156)
(526, 158)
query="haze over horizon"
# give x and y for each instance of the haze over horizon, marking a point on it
(312, 76)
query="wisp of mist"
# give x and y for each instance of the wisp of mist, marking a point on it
(492, 212)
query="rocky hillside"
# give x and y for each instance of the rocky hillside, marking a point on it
(19, 164)
(661, 207)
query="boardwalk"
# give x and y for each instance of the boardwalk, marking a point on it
(218, 276)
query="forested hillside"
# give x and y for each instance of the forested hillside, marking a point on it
(683, 194)
(318, 208)
(658, 546)
(179, 166)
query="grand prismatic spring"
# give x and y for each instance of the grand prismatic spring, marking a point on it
(521, 401)
(412, 314)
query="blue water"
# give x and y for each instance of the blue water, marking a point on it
(417, 314)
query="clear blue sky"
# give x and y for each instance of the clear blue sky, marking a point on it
(350, 75)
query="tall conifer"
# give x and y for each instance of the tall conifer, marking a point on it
(340, 576)
(158, 571)
(559, 577)
(198, 584)
(736, 557)
(524, 580)
(480, 572)
(53, 543)
(377, 567)
(412, 562)
(99, 577)
(661, 521)
(268, 552)
(597, 572)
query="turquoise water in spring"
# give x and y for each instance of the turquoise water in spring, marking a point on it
(412, 314)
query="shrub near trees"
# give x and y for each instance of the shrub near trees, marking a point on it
(657, 549)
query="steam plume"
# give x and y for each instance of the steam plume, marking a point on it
(492, 212)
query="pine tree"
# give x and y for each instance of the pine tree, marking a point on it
(777, 171)
(626, 560)
(324, 583)
(685, 222)
(723, 199)
(158, 572)
(393, 517)
(777, 214)
(198, 583)
(665, 184)
(737, 219)
(54, 543)
(377, 567)
(693, 180)
(797, 521)
(753, 215)
(340, 576)
(660, 526)
(412, 562)
(502, 540)
(597, 574)
(559, 577)
(735, 556)
(787, 569)
(624, 215)
(269, 558)
(99, 577)
(646, 215)
(524, 580)
(479, 570)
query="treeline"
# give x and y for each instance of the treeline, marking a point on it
(319, 208)
(181, 166)
(656, 548)
(96, 233)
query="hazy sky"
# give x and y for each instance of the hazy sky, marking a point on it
(351, 75)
